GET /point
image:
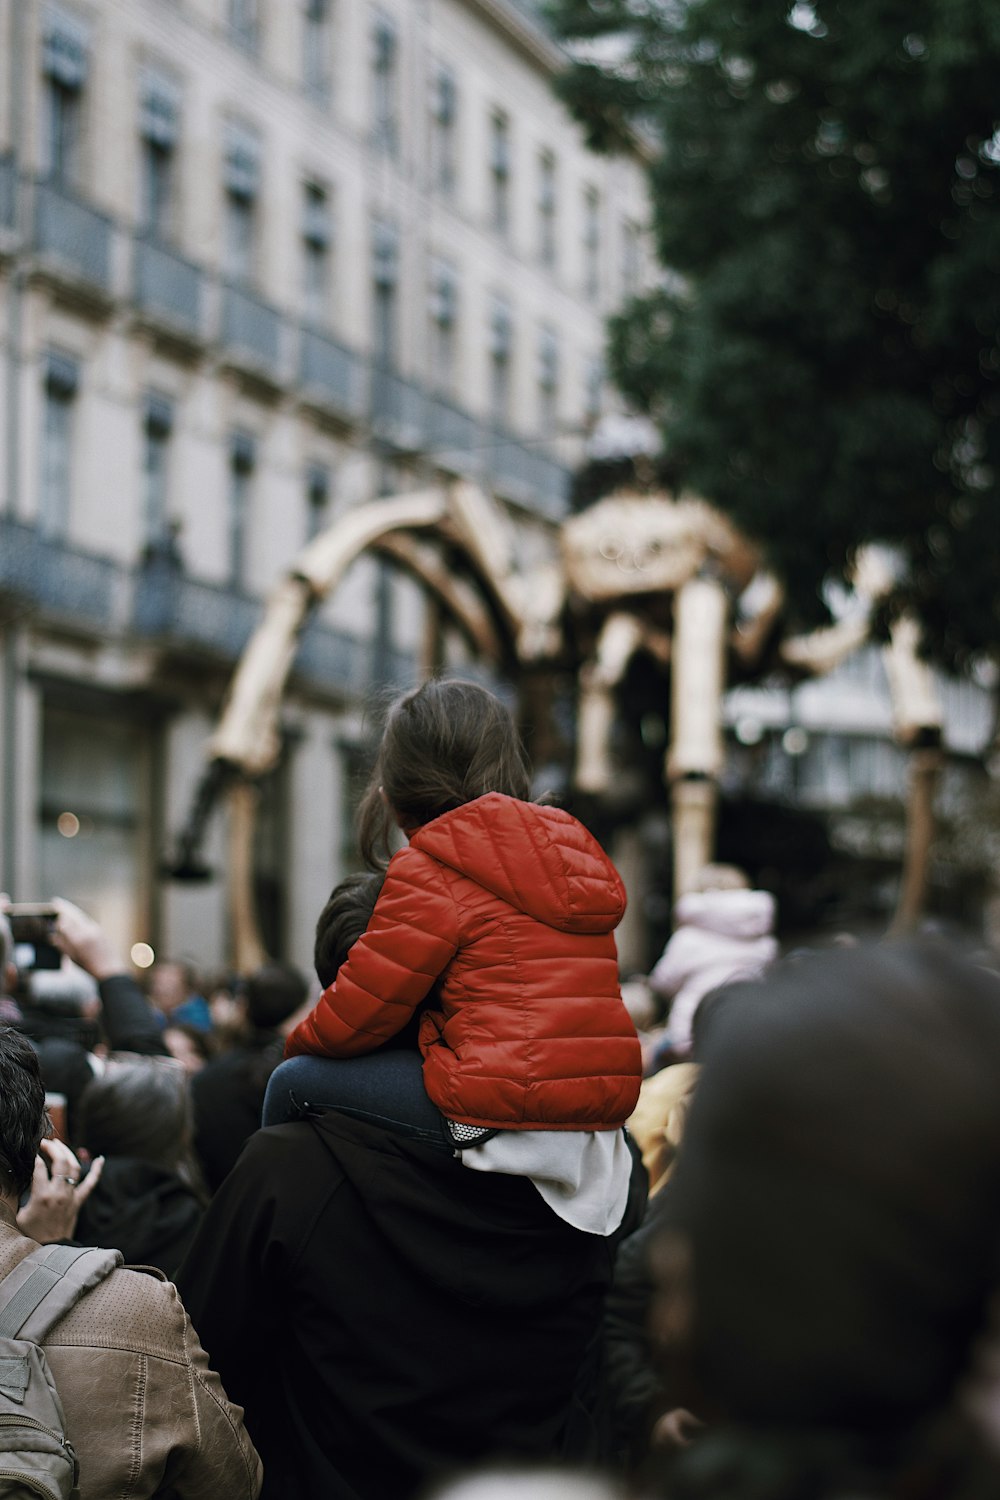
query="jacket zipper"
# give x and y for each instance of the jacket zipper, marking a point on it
(10, 1420)
(28, 1483)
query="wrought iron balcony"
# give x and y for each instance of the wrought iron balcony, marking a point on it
(251, 334)
(331, 659)
(190, 614)
(528, 476)
(332, 377)
(72, 239)
(399, 410)
(53, 578)
(168, 289)
(456, 441)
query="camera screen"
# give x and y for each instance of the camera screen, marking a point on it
(32, 949)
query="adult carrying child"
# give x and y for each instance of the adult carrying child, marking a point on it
(500, 915)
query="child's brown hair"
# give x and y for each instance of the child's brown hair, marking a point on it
(444, 744)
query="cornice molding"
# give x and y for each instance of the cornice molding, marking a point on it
(529, 35)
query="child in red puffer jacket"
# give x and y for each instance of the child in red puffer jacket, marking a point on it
(503, 913)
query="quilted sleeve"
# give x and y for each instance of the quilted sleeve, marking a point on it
(411, 939)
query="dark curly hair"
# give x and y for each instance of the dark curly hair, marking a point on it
(23, 1120)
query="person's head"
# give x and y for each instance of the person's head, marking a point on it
(272, 993)
(838, 1192)
(171, 982)
(188, 1046)
(342, 921)
(443, 745)
(138, 1107)
(23, 1121)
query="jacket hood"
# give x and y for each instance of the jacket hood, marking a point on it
(145, 1211)
(738, 914)
(540, 860)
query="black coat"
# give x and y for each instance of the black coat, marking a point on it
(384, 1314)
(227, 1096)
(147, 1212)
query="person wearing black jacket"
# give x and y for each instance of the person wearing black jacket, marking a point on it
(228, 1093)
(385, 1315)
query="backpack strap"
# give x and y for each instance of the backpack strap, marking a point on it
(43, 1287)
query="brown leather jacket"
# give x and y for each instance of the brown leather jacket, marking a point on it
(144, 1412)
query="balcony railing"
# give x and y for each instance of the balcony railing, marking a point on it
(76, 242)
(8, 192)
(332, 375)
(399, 409)
(456, 441)
(329, 657)
(168, 288)
(72, 237)
(191, 614)
(49, 575)
(528, 475)
(251, 332)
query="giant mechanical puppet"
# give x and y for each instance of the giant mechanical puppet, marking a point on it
(619, 562)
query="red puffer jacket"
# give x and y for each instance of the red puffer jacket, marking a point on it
(510, 908)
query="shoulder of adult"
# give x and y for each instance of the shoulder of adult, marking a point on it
(134, 1308)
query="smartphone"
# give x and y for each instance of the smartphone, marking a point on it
(31, 924)
(56, 1106)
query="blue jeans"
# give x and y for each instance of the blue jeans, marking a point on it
(386, 1088)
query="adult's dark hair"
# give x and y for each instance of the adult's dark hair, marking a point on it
(443, 745)
(139, 1107)
(23, 1121)
(839, 1194)
(272, 993)
(342, 921)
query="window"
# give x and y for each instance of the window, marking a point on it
(95, 778)
(500, 348)
(593, 392)
(385, 84)
(548, 381)
(158, 122)
(316, 239)
(500, 172)
(316, 49)
(385, 279)
(317, 500)
(242, 460)
(443, 309)
(64, 66)
(244, 23)
(61, 382)
(242, 187)
(591, 243)
(631, 258)
(547, 248)
(444, 117)
(158, 425)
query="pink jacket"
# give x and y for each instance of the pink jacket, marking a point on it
(718, 936)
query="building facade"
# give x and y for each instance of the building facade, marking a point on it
(261, 261)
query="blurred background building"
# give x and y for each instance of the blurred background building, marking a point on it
(260, 261)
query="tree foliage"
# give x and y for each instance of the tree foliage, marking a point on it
(823, 348)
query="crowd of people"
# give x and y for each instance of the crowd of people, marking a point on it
(491, 1241)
